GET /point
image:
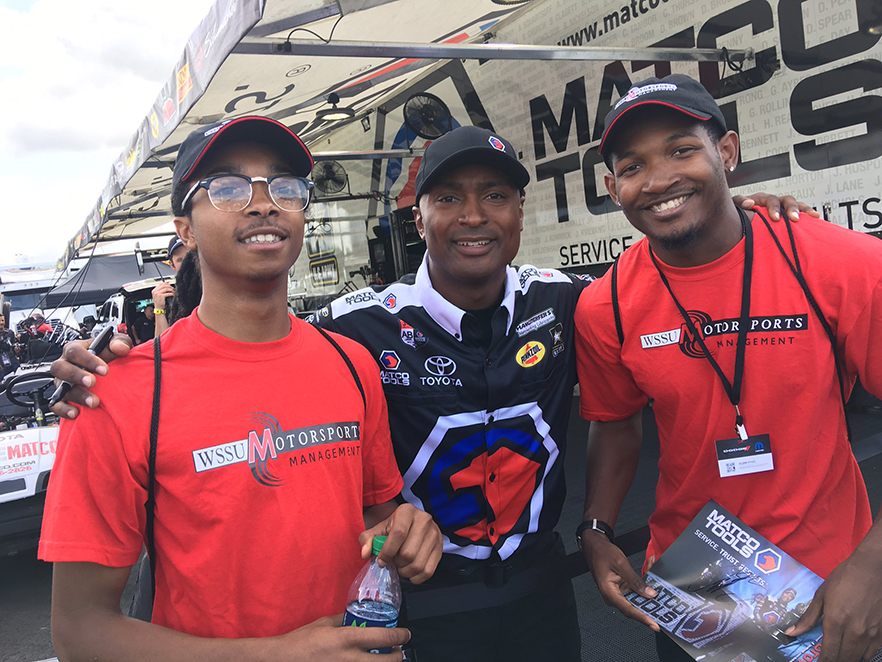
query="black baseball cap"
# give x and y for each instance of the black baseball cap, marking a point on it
(258, 129)
(675, 91)
(173, 245)
(469, 145)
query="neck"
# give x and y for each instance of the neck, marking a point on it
(470, 295)
(252, 314)
(704, 247)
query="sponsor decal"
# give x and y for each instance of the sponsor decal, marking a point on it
(268, 442)
(185, 83)
(767, 561)
(535, 322)
(154, 124)
(361, 297)
(395, 378)
(390, 301)
(168, 111)
(732, 534)
(132, 156)
(636, 92)
(557, 345)
(526, 274)
(411, 336)
(449, 475)
(389, 359)
(441, 368)
(530, 354)
(496, 143)
(200, 57)
(709, 328)
(324, 311)
(324, 271)
(661, 339)
(28, 449)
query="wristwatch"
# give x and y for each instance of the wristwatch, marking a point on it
(595, 525)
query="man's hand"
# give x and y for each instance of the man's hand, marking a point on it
(79, 367)
(325, 639)
(774, 203)
(615, 576)
(851, 603)
(413, 542)
(162, 292)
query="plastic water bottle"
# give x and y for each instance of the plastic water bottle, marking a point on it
(375, 596)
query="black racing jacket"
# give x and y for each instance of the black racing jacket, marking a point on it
(479, 434)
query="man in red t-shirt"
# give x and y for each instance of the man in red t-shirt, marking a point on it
(705, 317)
(272, 453)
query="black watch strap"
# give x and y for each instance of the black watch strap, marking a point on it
(595, 525)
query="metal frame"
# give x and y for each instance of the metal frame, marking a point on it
(263, 46)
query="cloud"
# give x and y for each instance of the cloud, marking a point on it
(77, 79)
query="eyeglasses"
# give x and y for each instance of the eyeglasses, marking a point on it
(233, 192)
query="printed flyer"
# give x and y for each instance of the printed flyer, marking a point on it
(725, 594)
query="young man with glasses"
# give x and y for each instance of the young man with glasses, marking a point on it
(272, 452)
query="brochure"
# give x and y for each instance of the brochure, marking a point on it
(726, 594)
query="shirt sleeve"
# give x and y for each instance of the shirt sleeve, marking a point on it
(607, 391)
(94, 506)
(863, 343)
(382, 478)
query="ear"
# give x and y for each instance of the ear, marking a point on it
(521, 213)
(609, 180)
(418, 217)
(729, 147)
(184, 226)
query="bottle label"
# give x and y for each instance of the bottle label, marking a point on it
(373, 619)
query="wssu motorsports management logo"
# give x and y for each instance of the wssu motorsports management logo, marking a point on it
(724, 332)
(315, 443)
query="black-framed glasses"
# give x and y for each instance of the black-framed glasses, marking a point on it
(233, 192)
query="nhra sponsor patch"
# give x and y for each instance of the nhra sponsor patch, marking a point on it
(411, 336)
(535, 322)
(530, 354)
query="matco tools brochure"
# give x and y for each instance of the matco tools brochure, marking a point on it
(726, 594)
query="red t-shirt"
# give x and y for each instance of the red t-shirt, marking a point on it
(814, 503)
(265, 460)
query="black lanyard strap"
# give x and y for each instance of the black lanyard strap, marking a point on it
(733, 389)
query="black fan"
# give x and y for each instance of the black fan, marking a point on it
(427, 116)
(329, 177)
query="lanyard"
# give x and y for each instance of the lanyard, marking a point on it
(733, 389)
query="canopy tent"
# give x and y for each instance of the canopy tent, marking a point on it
(102, 276)
(284, 58)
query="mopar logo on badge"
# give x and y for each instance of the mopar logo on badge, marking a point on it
(442, 367)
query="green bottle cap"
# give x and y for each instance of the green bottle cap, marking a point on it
(378, 544)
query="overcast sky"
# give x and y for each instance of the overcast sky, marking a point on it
(77, 77)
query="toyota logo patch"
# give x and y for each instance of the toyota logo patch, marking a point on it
(440, 366)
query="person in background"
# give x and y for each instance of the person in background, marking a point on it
(162, 294)
(142, 328)
(8, 355)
